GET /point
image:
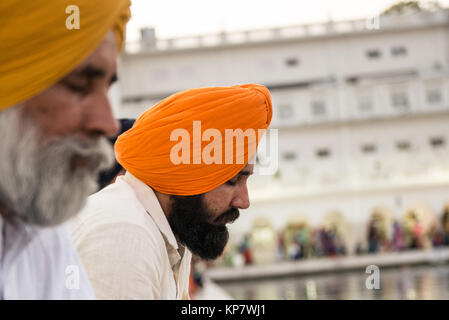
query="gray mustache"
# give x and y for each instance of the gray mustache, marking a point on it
(98, 152)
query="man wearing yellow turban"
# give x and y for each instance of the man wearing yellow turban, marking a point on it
(187, 161)
(57, 61)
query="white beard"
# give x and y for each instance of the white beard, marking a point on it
(38, 182)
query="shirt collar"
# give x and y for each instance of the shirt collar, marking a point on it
(148, 199)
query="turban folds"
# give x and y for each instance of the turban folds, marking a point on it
(36, 47)
(150, 150)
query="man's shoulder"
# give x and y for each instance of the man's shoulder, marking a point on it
(116, 203)
(116, 195)
(114, 207)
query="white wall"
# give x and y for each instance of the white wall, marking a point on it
(350, 180)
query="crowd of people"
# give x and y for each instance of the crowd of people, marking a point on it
(305, 242)
(410, 233)
(301, 241)
(292, 244)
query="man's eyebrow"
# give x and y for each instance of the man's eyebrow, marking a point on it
(91, 72)
(245, 173)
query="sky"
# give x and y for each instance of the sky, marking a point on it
(180, 18)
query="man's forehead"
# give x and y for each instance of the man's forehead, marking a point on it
(103, 58)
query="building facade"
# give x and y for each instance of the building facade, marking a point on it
(361, 108)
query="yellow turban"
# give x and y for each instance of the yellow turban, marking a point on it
(36, 47)
(151, 150)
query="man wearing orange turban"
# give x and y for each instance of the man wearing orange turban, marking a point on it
(57, 61)
(187, 161)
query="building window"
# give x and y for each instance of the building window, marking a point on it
(373, 54)
(437, 142)
(323, 153)
(399, 100)
(368, 148)
(433, 96)
(292, 62)
(399, 51)
(285, 111)
(365, 103)
(289, 156)
(403, 145)
(318, 108)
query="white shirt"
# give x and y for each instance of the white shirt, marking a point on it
(40, 263)
(127, 246)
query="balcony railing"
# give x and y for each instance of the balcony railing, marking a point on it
(331, 28)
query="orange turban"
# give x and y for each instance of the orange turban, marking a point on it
(200, 120)
(37, 48)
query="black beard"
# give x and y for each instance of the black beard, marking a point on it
(189, 221)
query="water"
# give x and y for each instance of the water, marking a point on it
(407, 282)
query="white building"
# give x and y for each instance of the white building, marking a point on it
(362, 109)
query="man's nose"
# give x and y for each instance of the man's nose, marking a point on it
(241, 199)
(99, 118)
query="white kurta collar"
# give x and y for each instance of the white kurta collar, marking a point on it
(148, 199)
